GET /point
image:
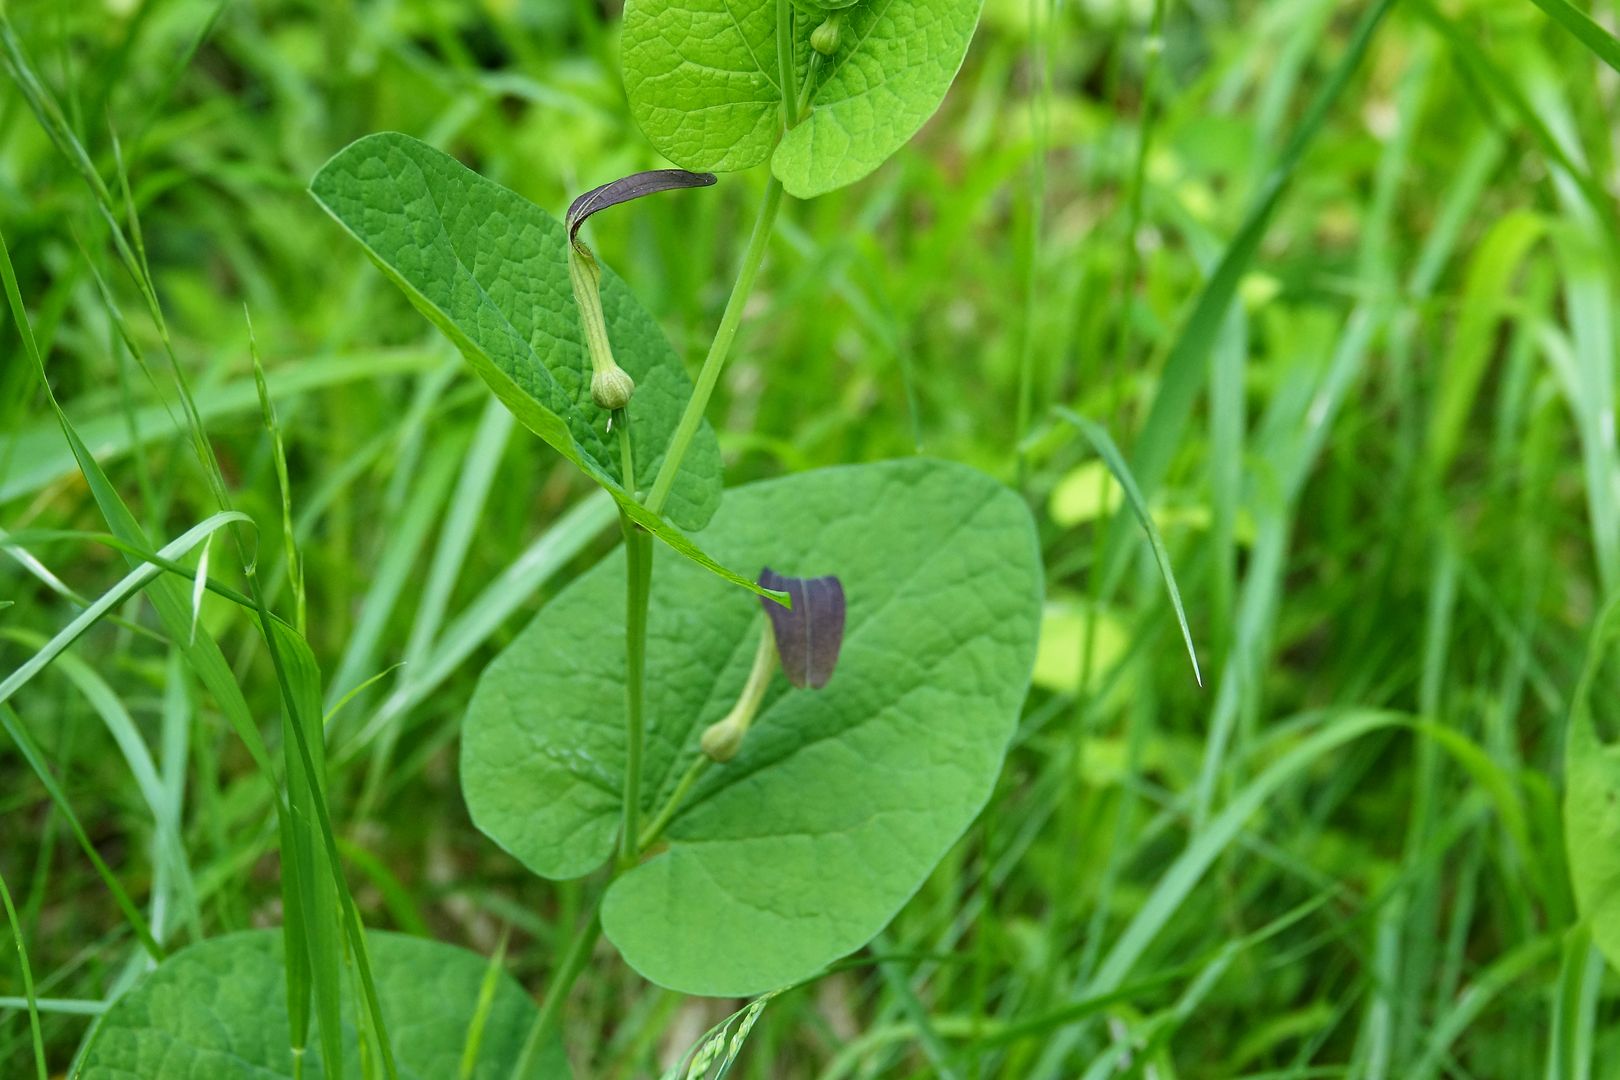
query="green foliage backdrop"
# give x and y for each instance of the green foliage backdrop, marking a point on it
(1342, 289)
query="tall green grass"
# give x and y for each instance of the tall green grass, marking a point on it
(1338, 280)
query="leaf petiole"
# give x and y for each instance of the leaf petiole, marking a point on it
(808, 90)
(660, 822)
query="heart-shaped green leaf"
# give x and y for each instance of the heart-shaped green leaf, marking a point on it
(490, 269)
(841, 800)
(219, 1010)
(704, 84)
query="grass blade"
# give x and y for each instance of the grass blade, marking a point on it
(1186, 366)
(137, 579)
(1105, 448)
(486, 998)
(27, 981)
(12, 723)
(1601, 43)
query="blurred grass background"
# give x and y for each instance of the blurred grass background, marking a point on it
(1392, 489)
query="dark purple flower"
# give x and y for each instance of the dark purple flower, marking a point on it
(630, 187)
(809, 634)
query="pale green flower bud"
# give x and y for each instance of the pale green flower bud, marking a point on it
(722, 740)
(611, 387)
(824, 38)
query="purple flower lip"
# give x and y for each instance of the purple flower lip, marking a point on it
(808, 635)
(630, 187)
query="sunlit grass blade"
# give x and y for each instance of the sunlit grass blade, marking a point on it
(295, 566)
(460, 526)
(41, 460)
(63, 1006)
(198, 587)
(898, 980)
(143, 575)
(486, 998)
(312, 928)
(1493, 266)
(1203, 848)
(1587, 31)
(1105, 448)
(514, 587)
(1494, 83)
(407, 531)
(203, 654)
(174, 754)
(1574, 1007)
(302, 722)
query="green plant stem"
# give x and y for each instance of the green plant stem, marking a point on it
(638, 559)
(638, 586)
(700, 765)
(808, 90)
(562, 980)
(638, 554)
(787, 71)
(719, 349)
(627, 461)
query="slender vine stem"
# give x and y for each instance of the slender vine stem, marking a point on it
(638, 587)
(808, 91)
(627, 460)
(788, 71)
(638, 560)
(649, 836)
(638, 551)
(719, 349)
(573, 962)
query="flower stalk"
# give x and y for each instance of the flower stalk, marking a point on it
(722, 739)
(611, 385)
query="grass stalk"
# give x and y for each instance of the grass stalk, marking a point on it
(562, 980)
(34, 1032)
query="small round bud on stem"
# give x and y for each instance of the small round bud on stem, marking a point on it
(721, 741)
(611, 387)
(824, 38)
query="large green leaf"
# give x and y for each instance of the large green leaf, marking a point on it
(704, 84)
(218, 1010)
(489, 269)
(841, 800)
